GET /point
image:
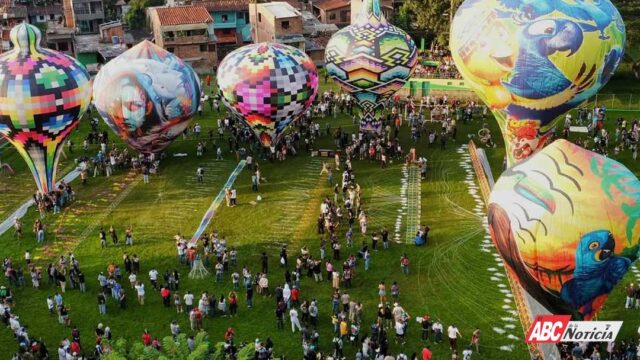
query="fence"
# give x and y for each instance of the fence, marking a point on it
(615, 102)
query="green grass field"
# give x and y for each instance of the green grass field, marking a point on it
(451, 278)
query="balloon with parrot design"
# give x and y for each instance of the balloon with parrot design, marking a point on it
(566, 224)
(532, 61)
(43, 95)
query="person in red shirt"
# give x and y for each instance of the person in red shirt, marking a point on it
(426, 353)
(155, 343)
(75, 347)
(166, 296)
(295, 296)
(146, 338)
(229, 335)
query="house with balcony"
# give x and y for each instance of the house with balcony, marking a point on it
(88, 15)
(45, 14)
(230, 23)
(186, 31)
(276, 21)
(12, 15)
(336, 12)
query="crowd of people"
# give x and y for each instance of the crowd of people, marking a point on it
(436, 63)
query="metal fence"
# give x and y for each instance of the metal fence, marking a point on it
(615, 102)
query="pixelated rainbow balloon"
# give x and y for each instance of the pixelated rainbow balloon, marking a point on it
(532, 61)
(371, 59)
(43, 95)
(147, 96)
(566, 222)
(268, 86)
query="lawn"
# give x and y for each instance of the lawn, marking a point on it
(451, 278)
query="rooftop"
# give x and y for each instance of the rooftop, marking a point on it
(312, 26)
(13, 12)
(92, 44)
(281, 9)
(331, 4)
(182, 15)
(223, 5)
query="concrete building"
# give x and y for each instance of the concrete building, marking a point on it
(88, 15)
(336, 12)
(45, 14)
(276, 22)
(186, 31)
(12, 15)
(230, 23)
(60, 38)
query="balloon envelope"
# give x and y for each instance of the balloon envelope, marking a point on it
(147, 96)
(43, 94)
(532, 61)
(566, 222)
(268, 86)
(371, 59)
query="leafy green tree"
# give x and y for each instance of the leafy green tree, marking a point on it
(135, 17)
(432, 16)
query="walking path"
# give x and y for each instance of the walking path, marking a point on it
(412, 201)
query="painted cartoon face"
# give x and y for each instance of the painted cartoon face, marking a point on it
(133, 106)
(492, 56)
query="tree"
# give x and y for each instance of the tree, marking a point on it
(135, 17)
(432, 16)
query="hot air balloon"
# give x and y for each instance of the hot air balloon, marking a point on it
(371, 59)
(566, 222)
(147, 96)
(43, 95)
(532, 61)
(267, 85)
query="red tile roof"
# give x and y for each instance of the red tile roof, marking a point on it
(223, 5)
(181, 15)
(331, 4)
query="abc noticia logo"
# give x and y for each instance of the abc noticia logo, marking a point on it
(560, 328)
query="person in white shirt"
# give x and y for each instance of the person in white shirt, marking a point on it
(466, 353)
(188, 301)
(453, 334)
(133, 278)
(293, 315)
(140, 290)
(153, 276)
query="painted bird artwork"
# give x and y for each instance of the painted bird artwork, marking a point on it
(596, 272)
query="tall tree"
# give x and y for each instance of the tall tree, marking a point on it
(135, 17)
(432, 16)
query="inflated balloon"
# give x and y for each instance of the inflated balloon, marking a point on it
(566, 222)
(147, 96)
(43, 95)
(371, 59)
(268, 86)
(532, 61)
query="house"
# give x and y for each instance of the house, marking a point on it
(230, 23)
(45, 14)
(186, 31)
(112, 31)
(60, 38)
(92, 53)
(276, 21)
(312, 27)
(385, 5)
(12, 15)
(85, 15)
(336, 12)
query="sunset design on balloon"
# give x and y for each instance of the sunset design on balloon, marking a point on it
(43, 95)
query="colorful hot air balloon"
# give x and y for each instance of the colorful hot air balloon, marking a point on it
(566, 222)
(147, 96)
(371, 59)
(532, 61)
(268, 86)
(43, 95)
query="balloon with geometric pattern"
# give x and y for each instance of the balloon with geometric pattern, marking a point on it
(267, 85)
(147, 96)
(43, 95)
(371, 59)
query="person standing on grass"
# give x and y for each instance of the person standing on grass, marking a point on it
(200, 174)
(103, 238)
(295, 322)
(114, 235)
(102, 303)
(145, 174)
(382, 292)
(128, 239)
(475, 340)
(404, 264)
(453, 333)
(140, 290)
(280, 309)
